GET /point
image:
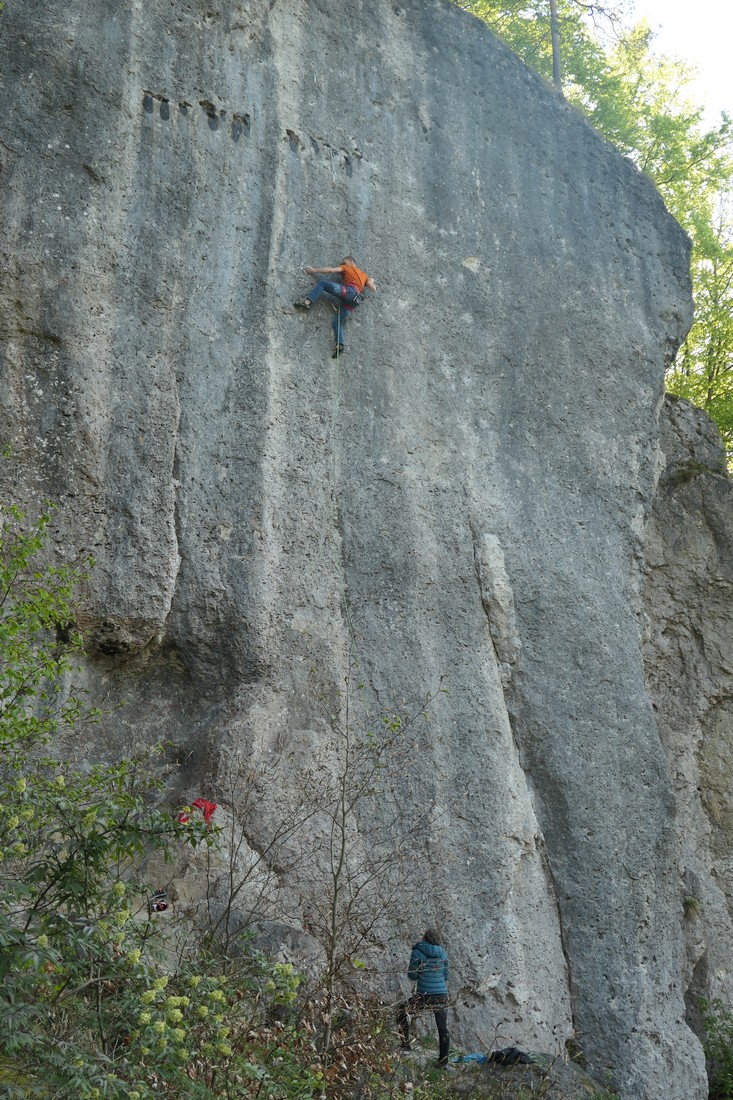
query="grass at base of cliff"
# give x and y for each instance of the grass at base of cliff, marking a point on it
(416, 1075)
(472, 1082)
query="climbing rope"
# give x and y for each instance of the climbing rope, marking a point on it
(338, 560)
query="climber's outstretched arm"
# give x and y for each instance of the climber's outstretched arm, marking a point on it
(323, 270)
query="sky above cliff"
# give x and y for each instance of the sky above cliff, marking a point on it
(699, 33)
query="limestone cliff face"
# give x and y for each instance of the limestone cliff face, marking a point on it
(472, 480)
(688, 594)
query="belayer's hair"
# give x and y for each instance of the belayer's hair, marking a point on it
(431, 936)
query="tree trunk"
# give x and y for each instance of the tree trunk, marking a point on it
(555, 35)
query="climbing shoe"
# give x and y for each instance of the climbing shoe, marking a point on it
(303, 303)
(337, 351)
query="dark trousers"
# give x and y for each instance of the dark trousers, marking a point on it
(437, 1003)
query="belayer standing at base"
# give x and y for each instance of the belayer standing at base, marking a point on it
(347, 293)
(429, 968)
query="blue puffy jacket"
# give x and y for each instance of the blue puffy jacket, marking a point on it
(429, 968)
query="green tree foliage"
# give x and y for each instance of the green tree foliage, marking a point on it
(367, 883)
(526, 26)
(93, 1000)
(640, 101)
(703, 370)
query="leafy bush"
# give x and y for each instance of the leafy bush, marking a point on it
(93, 1003)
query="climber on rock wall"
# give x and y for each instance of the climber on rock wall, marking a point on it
(347, 294)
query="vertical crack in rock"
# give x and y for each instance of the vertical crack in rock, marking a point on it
(174, 561)
(497, 599)
(552, 892)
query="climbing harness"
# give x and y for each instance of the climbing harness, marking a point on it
(350, 295)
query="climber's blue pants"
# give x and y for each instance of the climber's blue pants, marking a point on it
(344, 295)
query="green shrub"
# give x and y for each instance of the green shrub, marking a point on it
(91, 1005)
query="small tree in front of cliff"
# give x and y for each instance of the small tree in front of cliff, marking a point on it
(256, 853)
(323, 835)
(367, 883)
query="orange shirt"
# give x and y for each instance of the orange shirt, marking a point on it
(353, 276)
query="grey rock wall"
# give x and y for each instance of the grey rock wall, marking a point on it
(688, 652)
(466, 492)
